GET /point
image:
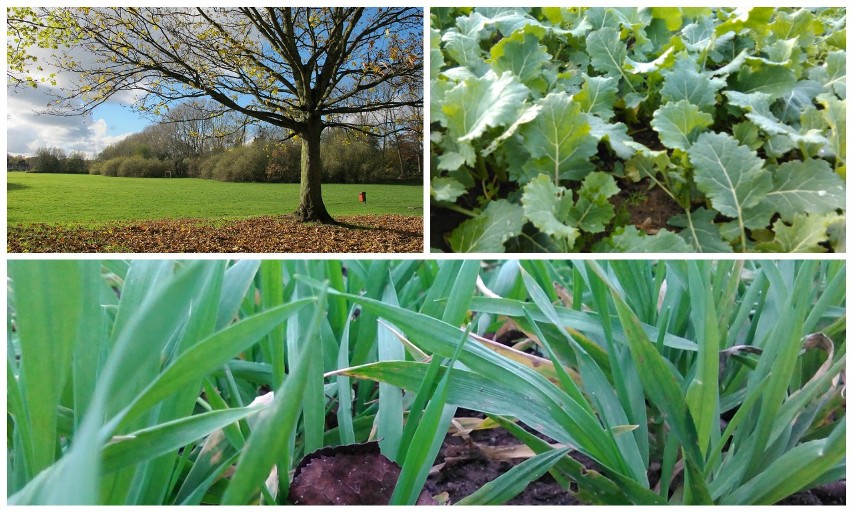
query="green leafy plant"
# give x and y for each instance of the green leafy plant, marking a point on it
(727, 375)
(145, 382)
(738, 114)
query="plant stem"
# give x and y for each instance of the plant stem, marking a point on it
(459, 209)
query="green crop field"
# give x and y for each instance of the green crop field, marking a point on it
(92, 200)
(216, 382)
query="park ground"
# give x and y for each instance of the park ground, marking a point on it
(83, 213)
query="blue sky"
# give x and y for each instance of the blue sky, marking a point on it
(28, 128)
(122, 119)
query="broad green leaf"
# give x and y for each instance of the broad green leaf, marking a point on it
(833, 74)
(809, 186)
(558, 139)
(685, 83)
(773, 127)
(446, 189)
(646, 164)
(436, 57)
(462, 41)
(700, 231)
(607, 51)
(773, 79)
(643, 68)
(476, 104)
(757, 104)
(633, 240)
(670, 15)
(601, 17)
(521, 54)
(510, 19)
(835, 115)
(747, 17)
(527, 116)
(801, 24)
(680, 123)
(805, 234)
(731, 175)
(438, 89)
(800, 99)
(698, 35)
(546, 205)
(616, 135)
(593, 210)
(500, 221)
(597, 96)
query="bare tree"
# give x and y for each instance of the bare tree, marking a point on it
(299, 68)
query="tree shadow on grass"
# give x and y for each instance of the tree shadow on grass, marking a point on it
(15, 186)
(386, 229)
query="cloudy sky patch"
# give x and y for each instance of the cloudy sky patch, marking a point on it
(29, 127)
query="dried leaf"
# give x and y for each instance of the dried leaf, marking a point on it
(363, 233)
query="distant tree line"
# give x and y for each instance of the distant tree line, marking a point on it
(229, 147)
(218, 149)
(49, 160)
(222, 151)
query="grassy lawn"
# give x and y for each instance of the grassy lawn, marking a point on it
(90, 200)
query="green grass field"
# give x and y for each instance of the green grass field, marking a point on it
(92, 200)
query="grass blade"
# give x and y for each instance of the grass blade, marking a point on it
(427, 439)
(793, 471)
(210, 354)
(270, 440)
(513, 482)
(48, 323)
(389, 418)
(151, 442)
(238, 279)
(661, 386)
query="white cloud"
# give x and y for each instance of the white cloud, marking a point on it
(28, 129)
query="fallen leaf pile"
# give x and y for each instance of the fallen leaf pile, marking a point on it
(356, 474)
(354, 234)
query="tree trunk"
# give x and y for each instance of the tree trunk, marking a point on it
(311, 207)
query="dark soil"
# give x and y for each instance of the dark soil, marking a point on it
(648, 208)
(466, 469)
(442, 222)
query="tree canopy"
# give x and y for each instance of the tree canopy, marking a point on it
(300, 68)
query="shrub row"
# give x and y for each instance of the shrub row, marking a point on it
(131, 167)
(262, 161)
